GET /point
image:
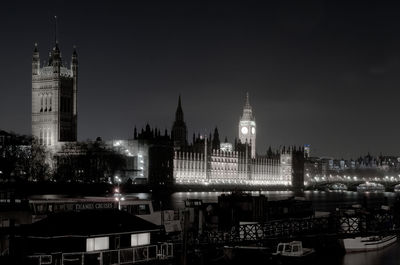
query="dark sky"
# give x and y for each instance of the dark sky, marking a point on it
(319, 72)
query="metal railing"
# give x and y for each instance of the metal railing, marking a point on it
(108, 257)
(341, 226)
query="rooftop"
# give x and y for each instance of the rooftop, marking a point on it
(87, 223)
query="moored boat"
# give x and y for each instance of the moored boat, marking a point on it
(362, 244)
(293, 252)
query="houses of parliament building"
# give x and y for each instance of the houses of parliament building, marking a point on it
(207, 161)
(157, 158)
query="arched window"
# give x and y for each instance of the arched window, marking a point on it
(45, 102)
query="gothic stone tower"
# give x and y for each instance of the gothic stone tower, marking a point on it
(54, 98)
(179, 130)
(247, 127)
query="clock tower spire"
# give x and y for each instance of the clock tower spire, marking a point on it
(247, 127)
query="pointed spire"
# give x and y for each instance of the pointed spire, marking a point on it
(35, 61)
(247, 104)
(247, 110)
(179, 111)
(74, 60)
(55, 31)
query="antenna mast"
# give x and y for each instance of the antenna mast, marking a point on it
(55, 30)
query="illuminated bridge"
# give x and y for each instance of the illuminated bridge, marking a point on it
(389, 185)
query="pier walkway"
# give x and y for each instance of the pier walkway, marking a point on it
(340, 225)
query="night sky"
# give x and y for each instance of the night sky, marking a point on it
(326, 73)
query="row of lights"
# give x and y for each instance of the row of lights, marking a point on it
(236, 182)
(351, 178)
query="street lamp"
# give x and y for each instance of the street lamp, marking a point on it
(117, 194)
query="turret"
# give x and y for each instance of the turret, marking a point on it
(74, 63)
(35, 61)
(58, 97)
(55, 59)
(179, 111)
(179, 130)
(74, 71)
(216, 141)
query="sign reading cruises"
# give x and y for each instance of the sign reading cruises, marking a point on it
(93, 206)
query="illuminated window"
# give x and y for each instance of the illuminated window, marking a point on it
(140, 239)
(97, 243)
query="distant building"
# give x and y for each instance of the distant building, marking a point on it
(207, 161)
(297, 167)
(136, 155)
(163, 159)
(54, 98)
(149, 157)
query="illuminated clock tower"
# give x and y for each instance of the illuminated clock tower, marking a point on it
(247, 127)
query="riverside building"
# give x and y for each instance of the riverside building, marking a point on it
(210, 162)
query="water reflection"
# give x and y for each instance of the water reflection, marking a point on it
(322, 200)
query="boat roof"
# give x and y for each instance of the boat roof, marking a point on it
(57, 199)
(87, 223)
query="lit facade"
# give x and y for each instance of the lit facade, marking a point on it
(136, 155)
(231, 168)
(247, 127)
(227, 166)
(54, 99)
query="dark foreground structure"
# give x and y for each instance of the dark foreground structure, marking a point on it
(89, 237)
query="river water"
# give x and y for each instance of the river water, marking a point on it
(322, 200)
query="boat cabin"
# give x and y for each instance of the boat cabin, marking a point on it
(294, 248)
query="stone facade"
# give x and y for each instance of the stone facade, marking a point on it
(231, 168)
(207, 162)
(54, 99)
(247, 127)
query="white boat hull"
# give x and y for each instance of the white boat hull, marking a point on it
(361, 244)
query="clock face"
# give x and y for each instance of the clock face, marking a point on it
(253, 130)
(244, 130)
